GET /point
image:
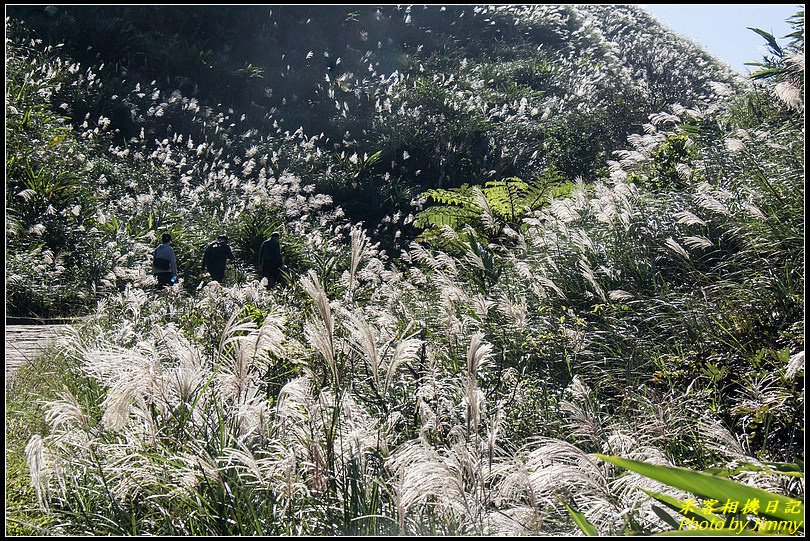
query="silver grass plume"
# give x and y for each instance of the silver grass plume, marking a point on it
(698, 242)
(66, 413)
(559, 469)
(673, 245)
(362, 336)
(130, 375)
(582, 416)
(795, 365)
(688, 218)
(629, 487)
(720, 440)
(516, 311)
(321, 333)
(273, 468)
(424, 477)
(790, 95)
(588, 274)
(406, 350)
(478, 354)
(488, 218)
(359, 251)
(43, 464)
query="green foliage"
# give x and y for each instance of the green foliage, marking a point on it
(674, 152)
(461, 386)
(581, 522)
(716, 489)
(779, 64)
(489, 209)
(252, 229)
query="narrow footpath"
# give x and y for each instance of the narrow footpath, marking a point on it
(24, 343)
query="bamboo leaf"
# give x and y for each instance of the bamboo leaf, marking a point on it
(770, 39)
(580, 520)
(710, 486)
(676, 504)
(666, 517)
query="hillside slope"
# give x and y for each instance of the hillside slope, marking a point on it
(157, 114)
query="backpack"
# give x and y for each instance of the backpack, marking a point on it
(161, 264)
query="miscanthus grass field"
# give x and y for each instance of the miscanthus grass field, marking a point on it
(524, 293)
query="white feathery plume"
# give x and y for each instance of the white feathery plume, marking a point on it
(233, 331)
(405, 351)
(559, 469)
(582, 421)
(587, 273)
(39, 463)
(789, 94)
(686, 217)
(708, 202)
(795, 365)
(564, 211)
(294, 410)
(755, 212)
(66, 413)
(488, 219)
(734, 144)
(249, 466)
(673, 245)
(128, 375)
(420, 254)
(473, 258)
(478, 354)
(446, 262)
(583, 424)
(251, 414)
(118, 403)
(516, 311)
(359, 250)
(362, 336)
(268, 339)
(481, 305)
(520, 520)
(425, 476)
(629, 487)
(698, 242)
(313, 288)
(319, 337)
(548, 283)
(321, 334)
(719, 439)
(796, 58)
(188, 377)
(619, 295)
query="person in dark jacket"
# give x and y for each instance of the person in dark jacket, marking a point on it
(216, 257)
(270, 260)
(164, 262)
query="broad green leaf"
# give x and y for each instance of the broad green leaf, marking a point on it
(770, 39)
(695, 513)
(711, 486)
(776, 468)
(666, 517)
(582, 522)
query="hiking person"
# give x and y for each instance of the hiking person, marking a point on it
(270, 260)
(216, 257)
(164, 262)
